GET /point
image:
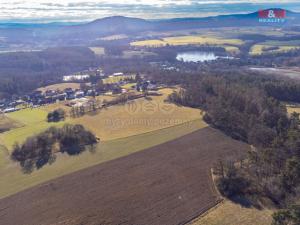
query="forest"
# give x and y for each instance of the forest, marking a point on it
(252, 112)
(41, 68)
(37, 69)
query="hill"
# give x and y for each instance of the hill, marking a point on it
(85, 33)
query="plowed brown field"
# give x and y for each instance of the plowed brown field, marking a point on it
(166, 184)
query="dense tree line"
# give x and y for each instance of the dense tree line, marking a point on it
(232, 107)
(36, 69)
(250, 112)
(289, 216)
(40, 149)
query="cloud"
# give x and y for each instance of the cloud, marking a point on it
(79, 10)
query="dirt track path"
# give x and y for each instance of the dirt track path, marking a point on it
(167, 184)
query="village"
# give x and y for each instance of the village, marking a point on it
(78, 89)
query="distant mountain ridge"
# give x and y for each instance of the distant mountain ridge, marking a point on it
(81, 33)
(122, 20)
(128, 25)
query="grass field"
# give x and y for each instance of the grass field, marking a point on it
(282, 46)
(232, 49)
(128, 86)
(110, 123)
(121, 130)
(13, 180)
(28, 116)
(57, 105)
(7, 123)
(293, 108)
(116, 79)
(137, 117)
(4, 157)
(185, 40)
(34, 121)
(60, 86)
(229, 213)
(259, 49)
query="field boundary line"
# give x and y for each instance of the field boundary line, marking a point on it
(220, 201)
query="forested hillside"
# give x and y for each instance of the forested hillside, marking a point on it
(36, 69)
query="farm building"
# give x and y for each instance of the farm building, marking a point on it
(118, 74)
(79, 102)
(9, 110)
(76, 77)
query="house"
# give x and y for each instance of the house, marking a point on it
(60, 97)
(118, 74)
(99, 72)
(70, 93)
(49, 93)
(91, 92)
(76, 77)
(70, 96)
(148, 85)
(9, 110)
(151, 86)
(79, 94)
(79, 102)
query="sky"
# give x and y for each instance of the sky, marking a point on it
(88, 10)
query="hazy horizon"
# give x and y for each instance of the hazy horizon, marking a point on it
(46, 11)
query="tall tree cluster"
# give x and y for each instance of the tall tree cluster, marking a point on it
(40, 149)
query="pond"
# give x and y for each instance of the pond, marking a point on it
(197, 56)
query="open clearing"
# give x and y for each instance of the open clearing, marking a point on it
(282, 46)
(28, 116)
(4, 157)
(129, 86)
(60, 86)
(118, 121)
(262, 48)
(186, 40)
(116, 79)
(166, 184)
(138, 116)
(292, 72)
(13, 180)
(34, 122)
(293, 108)
(7, 123)
(229, 213)
(141, 128)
